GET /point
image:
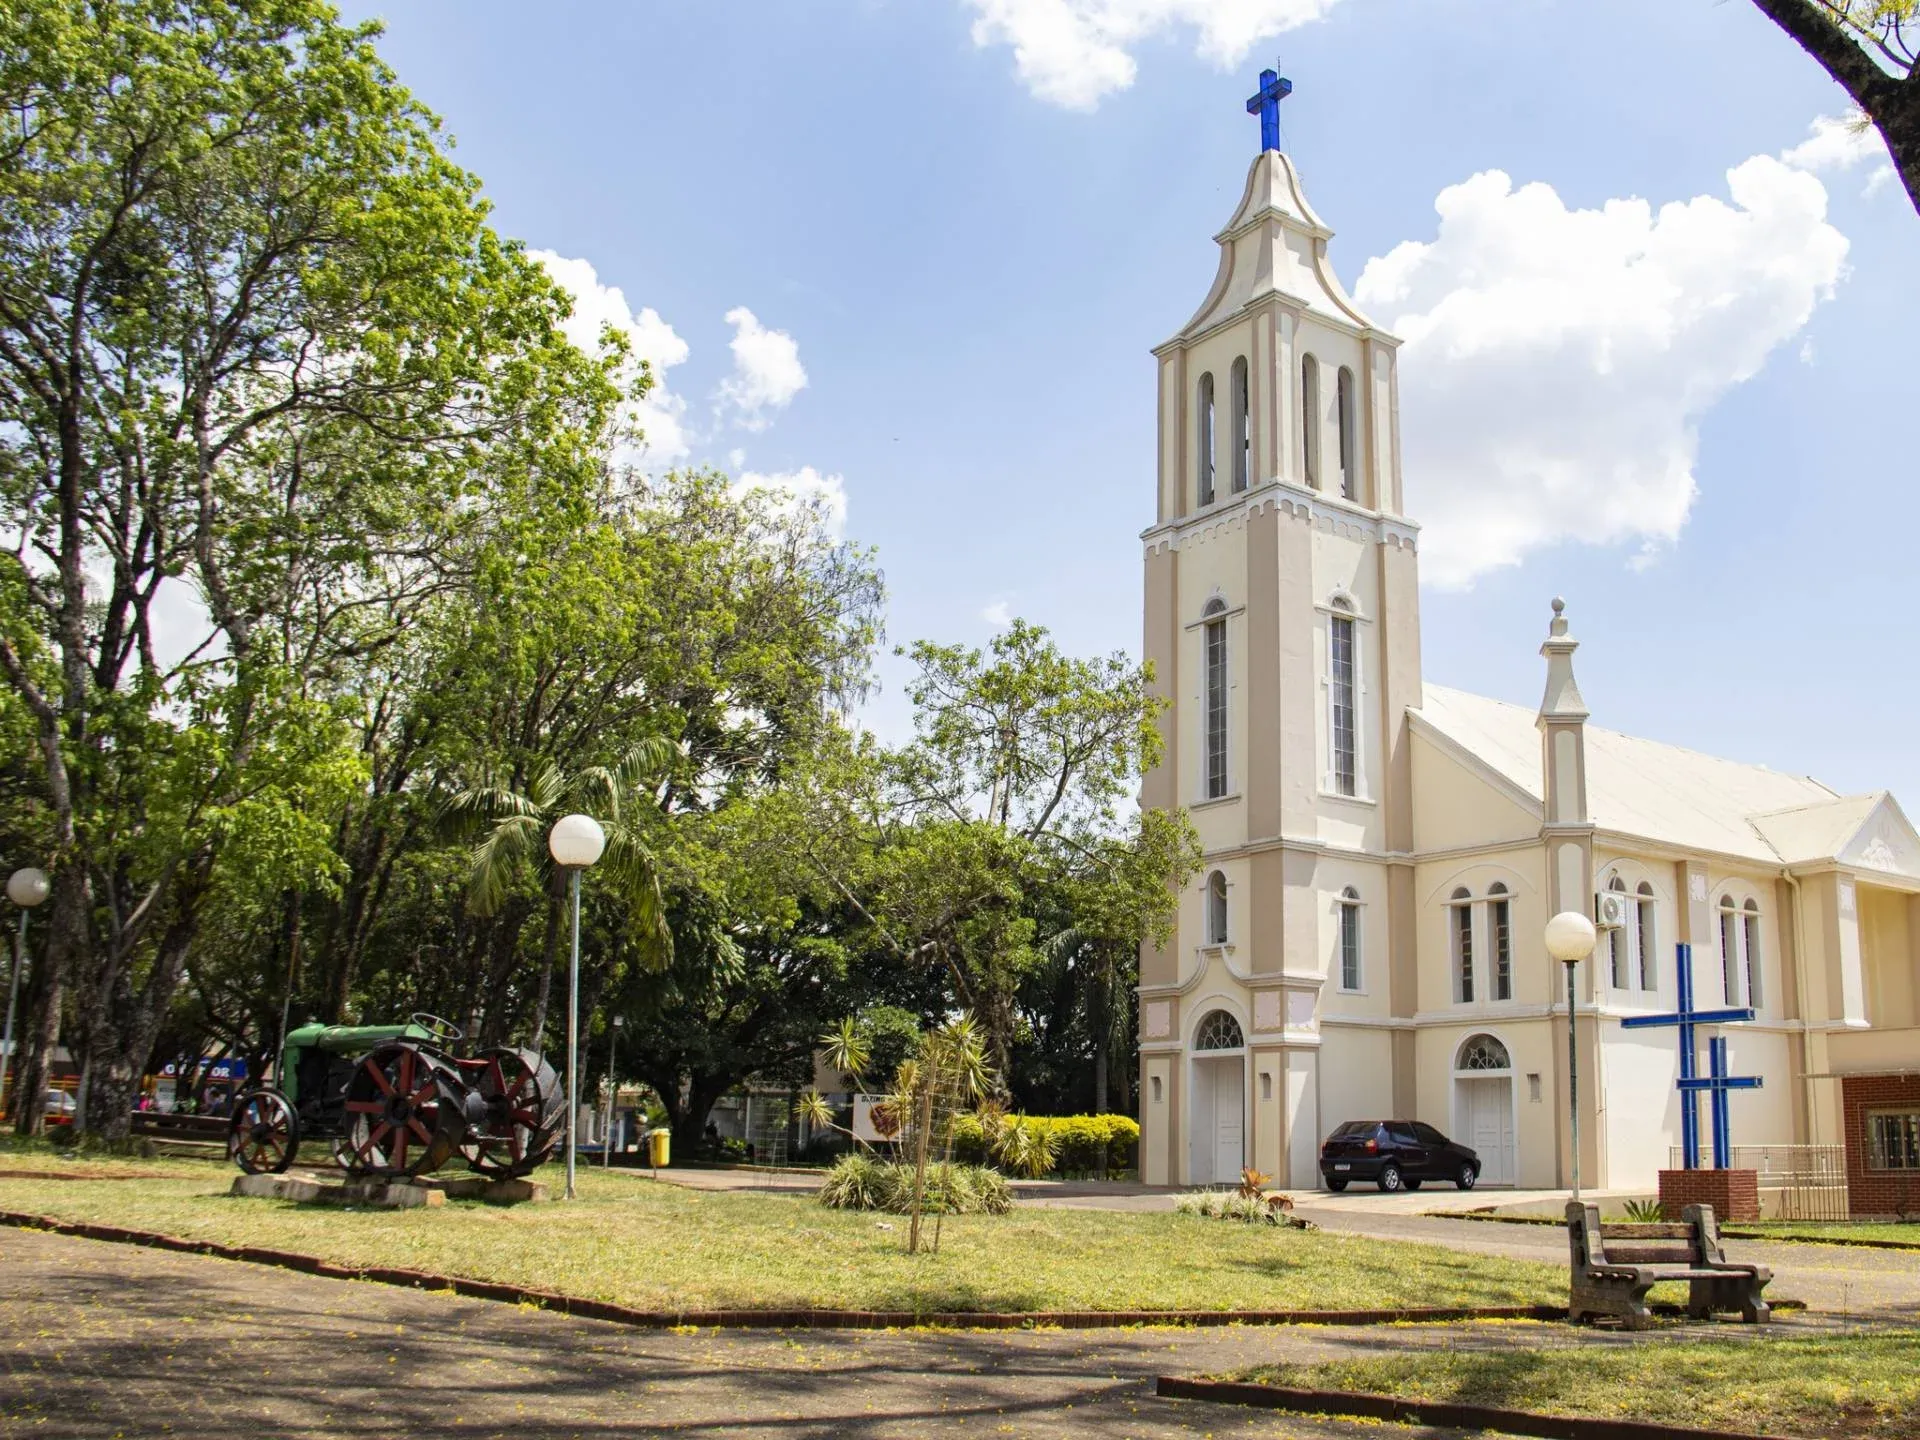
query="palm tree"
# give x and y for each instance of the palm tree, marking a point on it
(513, 827)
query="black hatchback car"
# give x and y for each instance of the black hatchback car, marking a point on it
(1395, 1155)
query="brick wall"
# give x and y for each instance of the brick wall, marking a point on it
(1733, 1194)
(1877, 1192)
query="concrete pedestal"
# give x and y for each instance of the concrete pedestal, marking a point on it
(1733, 1194)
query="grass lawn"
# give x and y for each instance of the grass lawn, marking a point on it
(1853, 1385)
(1906, 1234)
(651, 1244)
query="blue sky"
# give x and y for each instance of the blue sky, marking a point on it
(968, 248)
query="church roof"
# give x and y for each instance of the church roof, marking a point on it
(1659, 792)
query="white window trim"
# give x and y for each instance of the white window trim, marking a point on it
(1342, 905)
(1329, 788)
(1228, 791)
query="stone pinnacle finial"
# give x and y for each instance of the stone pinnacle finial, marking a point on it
(1562, 700)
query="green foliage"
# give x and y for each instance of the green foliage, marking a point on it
(1645, 1212)
(1077, 1138)
(861, 1182)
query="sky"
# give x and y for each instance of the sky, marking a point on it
(912, 255)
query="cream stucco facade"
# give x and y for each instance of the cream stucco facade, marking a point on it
(1363, 939)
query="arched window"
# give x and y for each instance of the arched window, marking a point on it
(1242, 433)
(1205, 457)
(1500, 924)
(1730, 951)
(1482, 1052)
(1751, 918)
(1349, 439)
(1649, 941)
(1219, 1031)
(1350, 973)
(1343, 713)
(1216, 909)
(1310, 418)
(1617, 940)
(1215, 632)
(1462, 924)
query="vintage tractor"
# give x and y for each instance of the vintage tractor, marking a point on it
(396, 1101)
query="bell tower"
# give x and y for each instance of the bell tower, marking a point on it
(1282, 621)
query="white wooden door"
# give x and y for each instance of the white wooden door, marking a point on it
(1489, 1127)
(1229, 1119)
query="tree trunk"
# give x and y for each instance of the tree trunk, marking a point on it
(65, 948)
(549, 952)
(128, 1021)
(1891, 101)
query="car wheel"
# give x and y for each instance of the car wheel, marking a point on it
(1411, 1183)
(1464, 1181)
(1336, 1186)
(1390, 1178)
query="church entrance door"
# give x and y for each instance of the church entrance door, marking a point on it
(1483, 1108)
(1219, 1119)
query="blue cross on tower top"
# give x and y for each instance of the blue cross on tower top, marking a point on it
(1273, 89)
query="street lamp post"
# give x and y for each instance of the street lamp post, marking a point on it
(1570, 939)
(613, 1093)
(25, 888)
(575, 842)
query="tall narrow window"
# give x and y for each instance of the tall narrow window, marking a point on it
(1343, 713)
(1463, 946)
(1500, 923)
(1649, 941)
(1349, 441)
(1617, 940)
(1310, 418)
(1204, 460)
(1216, 716)
(1216, 909)
(1729, 951)
(1751, 918)
(1350, 939)
(1242, 434)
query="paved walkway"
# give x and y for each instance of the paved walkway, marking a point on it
(101, 1341)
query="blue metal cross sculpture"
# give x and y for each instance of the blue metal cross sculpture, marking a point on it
(1273, 89)
(1717, 1083)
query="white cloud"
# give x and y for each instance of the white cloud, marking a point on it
(1558, 361)
(1074, 53)
(1840, 142)
(999, 614)
(792, 488)
(661, 415)
(767, 372)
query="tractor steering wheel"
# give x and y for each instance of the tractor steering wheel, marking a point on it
(444, 1031)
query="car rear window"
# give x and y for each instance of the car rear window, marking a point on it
(1353, 1128)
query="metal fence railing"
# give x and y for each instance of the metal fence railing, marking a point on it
(1811, 1179)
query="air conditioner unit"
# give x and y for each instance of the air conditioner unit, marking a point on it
(1610, 910)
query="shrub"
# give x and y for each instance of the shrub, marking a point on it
(860, 1182)
(1078, 1139)
(1645, 1212)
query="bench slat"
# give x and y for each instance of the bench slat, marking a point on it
(1623, 1230)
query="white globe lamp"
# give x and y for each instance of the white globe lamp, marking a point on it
(575, 842)
(26, 888)
(1570, 939)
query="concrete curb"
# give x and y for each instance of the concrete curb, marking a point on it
(802, 1319)
(1432, 1412)
(1863, 1243)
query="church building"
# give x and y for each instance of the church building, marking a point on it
(1364, 938)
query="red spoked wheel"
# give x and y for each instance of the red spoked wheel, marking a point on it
(525, 1112)
(263, 1134)
(403, 1113)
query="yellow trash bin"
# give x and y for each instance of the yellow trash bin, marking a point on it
(659, 1147)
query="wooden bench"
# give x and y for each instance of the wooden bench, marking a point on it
(197, 1133)
(1614, 1265)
